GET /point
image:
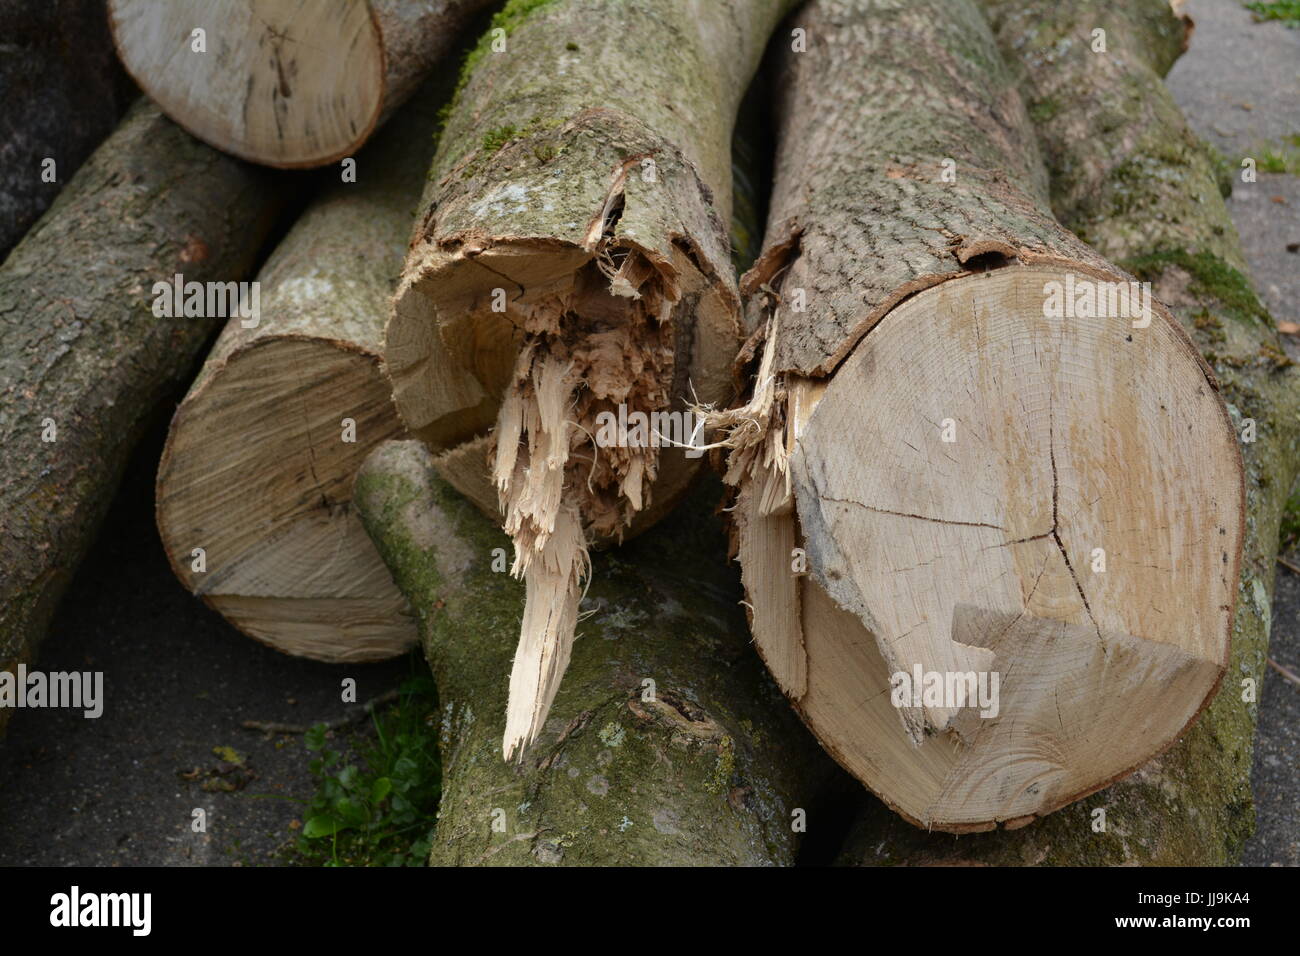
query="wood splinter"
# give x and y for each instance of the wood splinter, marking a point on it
(572, 261)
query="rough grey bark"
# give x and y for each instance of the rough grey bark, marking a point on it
(862, 215)
(63, 92)
(705, 766)
(83, 360)
(1133, 178)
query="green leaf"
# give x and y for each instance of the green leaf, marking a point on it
(382, 788)
(322, 826)
(315, 738)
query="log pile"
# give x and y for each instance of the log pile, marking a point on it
(1002, 547)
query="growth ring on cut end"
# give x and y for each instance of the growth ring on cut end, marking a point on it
(279, 83)
(985, 489)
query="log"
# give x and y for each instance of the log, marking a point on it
(572, 261)
(1190, 806)
(667, 744)
(63, 93)
(292, 85)
(84, 359)
(292, 406)
(1098, 180)
(993, 492)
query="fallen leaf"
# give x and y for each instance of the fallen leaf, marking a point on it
(1289, 328)
(229, 755)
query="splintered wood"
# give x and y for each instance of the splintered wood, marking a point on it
(989, 502)
(572, 264)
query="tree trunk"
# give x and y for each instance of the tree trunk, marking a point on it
(285, 84)
(63, 92)
(83, 360)
(666, 745)
(991, 477)
(572, 262)
(295, 404)
(1192, 804)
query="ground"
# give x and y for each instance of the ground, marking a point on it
(179, 681)
(1239, 85)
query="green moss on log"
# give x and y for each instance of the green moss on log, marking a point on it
(706, 767)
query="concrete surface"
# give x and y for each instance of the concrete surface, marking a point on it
(1239, 85)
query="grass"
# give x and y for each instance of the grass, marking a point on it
(1283, 157)
(1287, 11)
(376, 803)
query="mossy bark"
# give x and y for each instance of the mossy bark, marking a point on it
(1127, 173)
(706, 765)
(1130, 175)
(84, 361)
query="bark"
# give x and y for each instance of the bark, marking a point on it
(285, 84)
(666, 744)
(1191, 806)
(905, 284)
(1101, 151)
(63, 92)
(83, 359)
(287, 560)
(572, 258)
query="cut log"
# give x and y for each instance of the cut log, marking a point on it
(63, 93)
(667, 744)
(292, 406)
(1008, 470)
(284, 84)
(84, 359)
(1190, 806)
(571, 264)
